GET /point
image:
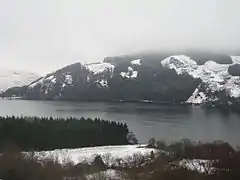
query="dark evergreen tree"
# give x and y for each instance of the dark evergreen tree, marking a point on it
(33, 133)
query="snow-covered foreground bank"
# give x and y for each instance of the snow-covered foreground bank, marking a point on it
(113, 155)
(109, 174)
(109, 154)
(200, 165)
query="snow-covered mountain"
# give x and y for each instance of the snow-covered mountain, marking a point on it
(178, 78)
(11, 78)
(66, 76)
(75, 81)
(214, 76)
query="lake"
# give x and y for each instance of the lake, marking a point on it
(164, 122)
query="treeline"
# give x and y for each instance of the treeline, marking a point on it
(35, 133)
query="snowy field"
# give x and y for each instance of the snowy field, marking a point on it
(109, 154)
(112, 154)
(109, 174)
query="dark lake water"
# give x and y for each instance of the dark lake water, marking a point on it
(164, 122)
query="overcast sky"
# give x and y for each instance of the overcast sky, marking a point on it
(43, 35)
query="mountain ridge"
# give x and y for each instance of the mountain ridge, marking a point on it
(211, 79)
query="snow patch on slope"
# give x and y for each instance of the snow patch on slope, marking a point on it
(130, 74)
(136, 62)
(68, 79)
(102, 82)
(51, 79)
(236, 59)
(214, 75)
(197, 97)
(11, 78)
(97, 68)
(181, 64)
(46, 83)
(38, 82)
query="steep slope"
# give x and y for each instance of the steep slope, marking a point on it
(129, 81)
(11, 78)
(74, 82)
(215, 78)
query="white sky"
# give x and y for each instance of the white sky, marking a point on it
(43, 35)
